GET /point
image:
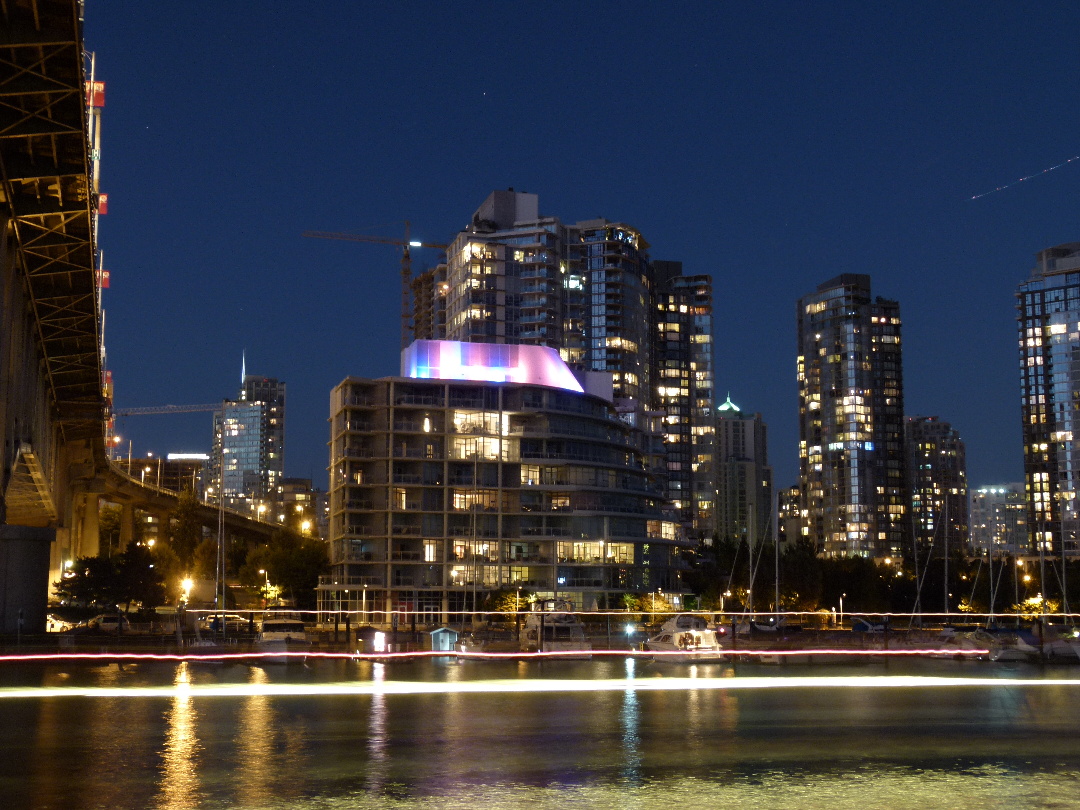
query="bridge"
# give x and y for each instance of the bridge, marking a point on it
(54, 467)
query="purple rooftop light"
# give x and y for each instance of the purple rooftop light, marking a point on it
(487, 362)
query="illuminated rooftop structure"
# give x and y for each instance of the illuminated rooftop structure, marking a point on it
(487, 362)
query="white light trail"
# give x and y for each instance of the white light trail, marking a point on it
(1022, 179)
(525, 686)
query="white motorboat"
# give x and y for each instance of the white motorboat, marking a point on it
(1013, 647)
(686, 637)
(551, 626)
(285, 637)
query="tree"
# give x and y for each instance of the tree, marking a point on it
(108, 582)
(109, 517)
(90, 582)
(506, 600)
(294, 563)
(185, 529)
(138, 579)
(801, 576)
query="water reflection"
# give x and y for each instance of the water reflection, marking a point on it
(631, 731)
(183, 740)
(179, 772)
(255, 743)
(377, 743)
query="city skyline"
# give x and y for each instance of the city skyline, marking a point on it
(772, 149)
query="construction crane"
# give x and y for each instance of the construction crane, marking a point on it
(406, 264)
(158, 409)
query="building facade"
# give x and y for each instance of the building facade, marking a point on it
(744, 503)
(248, 460)
(937, 475)
(852, 480)
(591, 291)
(1048, 317)
(999, 520)
(478, 471)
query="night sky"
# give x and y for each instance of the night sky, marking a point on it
(771, 145)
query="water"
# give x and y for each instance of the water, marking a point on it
(166, 735)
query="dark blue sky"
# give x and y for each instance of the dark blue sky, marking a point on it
(771, 145)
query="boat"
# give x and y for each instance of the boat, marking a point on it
(281, 640)
(552, 627)
(686, 637)
(487, 640)
(1013, 647)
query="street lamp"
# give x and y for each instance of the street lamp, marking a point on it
(266, 586)
(363, 606)
(842, 609)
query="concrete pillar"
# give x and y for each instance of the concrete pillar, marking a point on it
(127, 524)
(90, 541)
(24, 578)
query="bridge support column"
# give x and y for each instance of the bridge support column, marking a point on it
(24, 578)
(90, 540)
(127, 525)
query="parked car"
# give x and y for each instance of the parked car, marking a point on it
(54, 624)
(234, 623)
(110, 623)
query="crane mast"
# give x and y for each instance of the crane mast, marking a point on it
(406, 265)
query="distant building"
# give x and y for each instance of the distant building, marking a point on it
(487, 468)
(591, 291)
(937, 475)
(248, 459)
(744, 478)
(176, 472)
(788, 518)
(999, 520)
(1048, 316)
(298, 506)
(851, 421)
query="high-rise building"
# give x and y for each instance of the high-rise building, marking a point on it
(1048, 315)
(999, 520)
(851, 421)
(744, 502)
(937, 475)
(487, 468)
(248, 459)
(683, 369)
(591, 291)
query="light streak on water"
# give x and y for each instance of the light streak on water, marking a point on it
(516, 686)
(254, 657)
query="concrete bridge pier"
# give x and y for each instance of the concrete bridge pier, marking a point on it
(24, 566)
(90, 538)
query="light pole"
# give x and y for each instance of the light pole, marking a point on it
(363, 606)
(266, 587)
(842, 609)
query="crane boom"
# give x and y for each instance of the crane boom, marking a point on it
(406, 263)
(159, 409)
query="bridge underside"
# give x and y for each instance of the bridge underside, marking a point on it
(52, 410)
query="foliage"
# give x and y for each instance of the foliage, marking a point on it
(185, 530)
(109, 518)
(294, 564)
(204, 560)
(507, 600)
(654, 604)
(107, 582)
